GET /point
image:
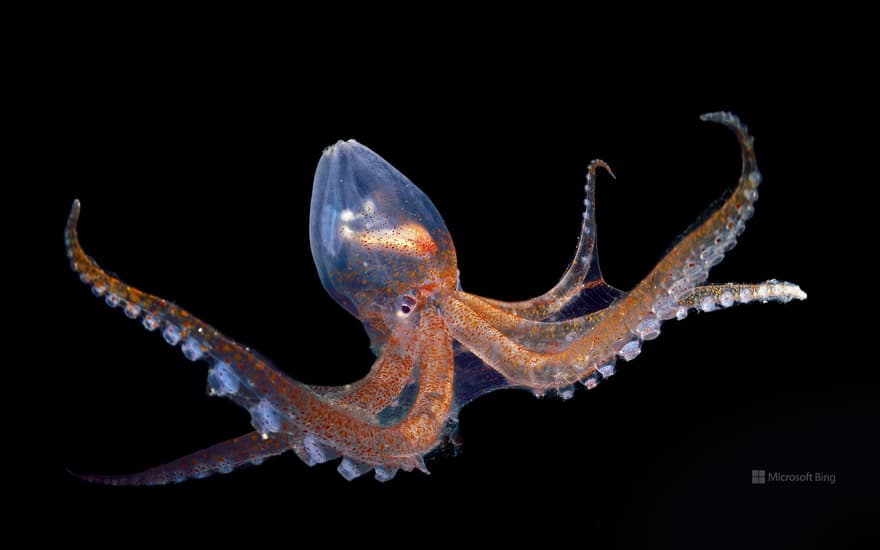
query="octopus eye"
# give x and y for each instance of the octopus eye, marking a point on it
(405, 305)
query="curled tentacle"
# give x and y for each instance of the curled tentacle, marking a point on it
(688, 263)
(583, 273)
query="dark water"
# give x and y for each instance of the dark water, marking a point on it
(195, 173)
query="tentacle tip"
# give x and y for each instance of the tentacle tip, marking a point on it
(599, 163)
(780, 291)
(420, 465)
(81, 477)
(727, 119)
(97, 479)
(74, 213)
(717, 116)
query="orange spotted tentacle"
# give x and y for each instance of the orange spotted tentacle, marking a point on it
(365, 444)
(391, 373)
(539, 336)
(524, 367)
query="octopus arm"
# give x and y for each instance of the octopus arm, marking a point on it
(365, 444)
(541, 336)
(221, 458)
(581, 289)
(390, 374)
(711, 297)
(234, 366)
(521, 366)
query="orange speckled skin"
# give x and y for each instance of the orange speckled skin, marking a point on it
(384, 254)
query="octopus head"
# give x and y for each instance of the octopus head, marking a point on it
(380, 246)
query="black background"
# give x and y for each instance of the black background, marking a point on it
(193, 159)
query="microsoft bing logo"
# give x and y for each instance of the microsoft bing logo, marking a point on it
(763, 477)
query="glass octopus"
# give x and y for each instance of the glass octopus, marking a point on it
(384, 254)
